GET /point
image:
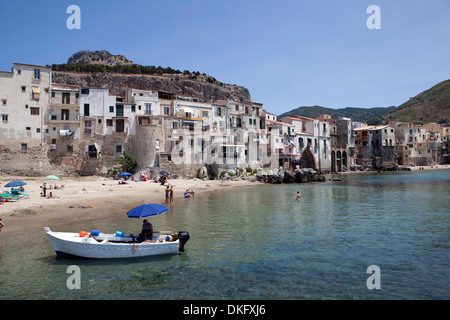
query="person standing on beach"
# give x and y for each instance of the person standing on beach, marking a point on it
(167, 194)
(171, 193)
(1, 224)
(44, 186)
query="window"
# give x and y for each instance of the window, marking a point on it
(38, 130)
(64, 114)
(24, 89)
(69, 148)
(133, 108)
(219, 112)
(166, 111)
(87, 126)
(119, 148)
(148, 108)
(24, 147)
(157, 144)
(3, 102)
(34, 111)
(109, 122)
(204, 114)
(86, 109)
(174, 125)
(84, 91)
(37, 74)
(111, 108)
(36, 93)
(66, 98)
(92, 151)
(4, 117)
(28, 128)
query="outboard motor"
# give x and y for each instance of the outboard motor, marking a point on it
(183, 236)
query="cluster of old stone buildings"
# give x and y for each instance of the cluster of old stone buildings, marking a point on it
(53, 128)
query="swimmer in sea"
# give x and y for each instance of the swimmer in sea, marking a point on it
(298, 195)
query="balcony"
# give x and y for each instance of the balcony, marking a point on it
(192, 118)
(57, 103)
(65, 119)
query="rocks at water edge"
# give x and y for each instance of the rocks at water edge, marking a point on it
(278, 176)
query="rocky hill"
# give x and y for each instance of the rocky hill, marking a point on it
(102, 57)
(103, 70)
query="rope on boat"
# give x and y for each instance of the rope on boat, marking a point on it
(135, 248)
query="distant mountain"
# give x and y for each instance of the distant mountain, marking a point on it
(356, 114)
(432, 105)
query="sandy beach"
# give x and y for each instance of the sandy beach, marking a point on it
(84, 198)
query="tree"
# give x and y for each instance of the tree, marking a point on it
(128, 162)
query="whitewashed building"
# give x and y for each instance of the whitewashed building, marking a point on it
(24, 101)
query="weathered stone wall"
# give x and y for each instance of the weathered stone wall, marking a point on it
(181, 171)
(32, 162)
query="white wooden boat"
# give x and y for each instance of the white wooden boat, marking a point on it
(105, 246)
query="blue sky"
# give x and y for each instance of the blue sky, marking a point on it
(287, 53)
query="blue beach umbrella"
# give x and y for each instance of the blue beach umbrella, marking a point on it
(15, 183)
(164, 171)
(146, 210)
(123, 174)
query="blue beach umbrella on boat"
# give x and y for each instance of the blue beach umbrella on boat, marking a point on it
(146, 210)
(15, 183)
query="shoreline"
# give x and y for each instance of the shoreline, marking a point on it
(415, 168)
(103, 198)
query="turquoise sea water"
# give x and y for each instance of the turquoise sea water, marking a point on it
(261, 243)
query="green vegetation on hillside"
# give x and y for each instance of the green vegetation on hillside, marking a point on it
(127, 69)
(357, 114)
(432, 105)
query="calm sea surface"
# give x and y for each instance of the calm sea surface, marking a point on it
(261, 243)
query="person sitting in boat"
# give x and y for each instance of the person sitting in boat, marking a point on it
(147, 231)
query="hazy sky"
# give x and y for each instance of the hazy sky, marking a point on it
(287, 53)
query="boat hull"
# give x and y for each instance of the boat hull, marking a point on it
(70, 244)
